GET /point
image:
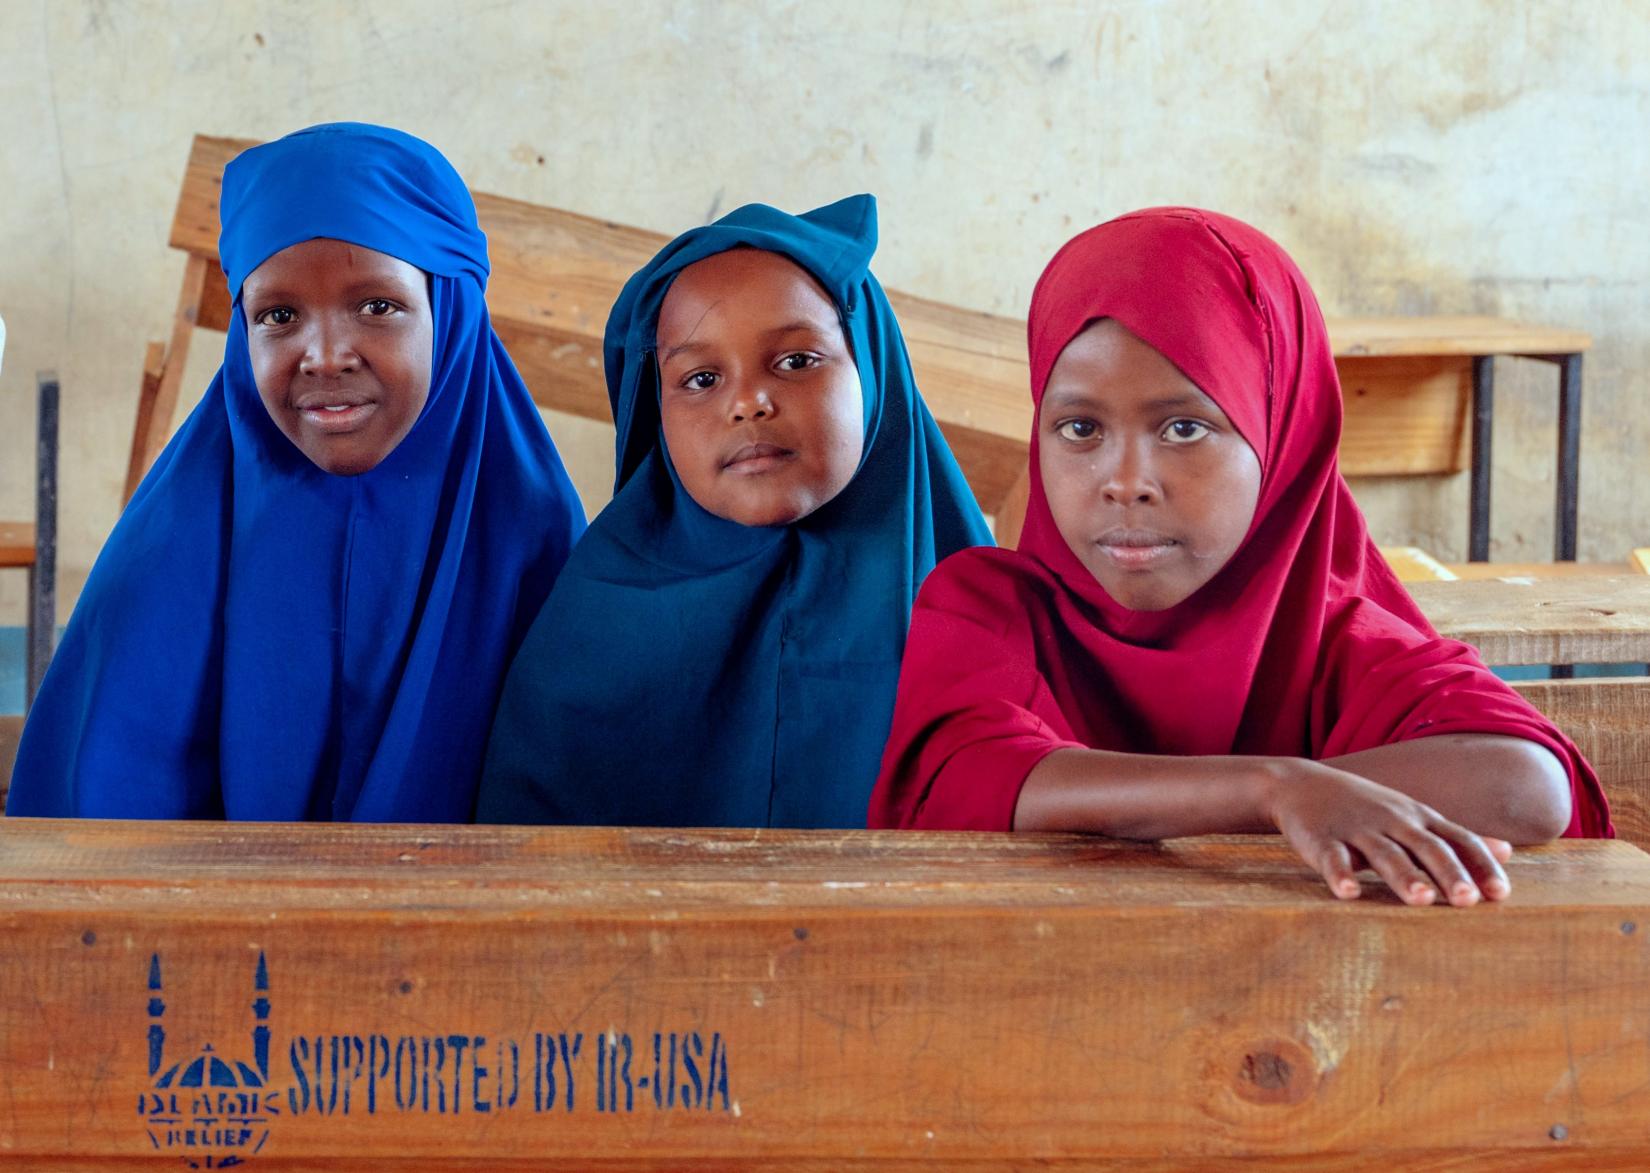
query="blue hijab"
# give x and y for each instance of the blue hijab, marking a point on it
(692, 671)
(260, 639)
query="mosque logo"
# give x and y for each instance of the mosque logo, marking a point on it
(211, 1110)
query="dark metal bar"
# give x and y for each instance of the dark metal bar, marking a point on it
(43, 574)
(1566, 509)
(1483, 417)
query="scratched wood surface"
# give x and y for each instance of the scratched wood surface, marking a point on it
(871, 1000)
(1578, 620)
(556, 273)
(16, 543)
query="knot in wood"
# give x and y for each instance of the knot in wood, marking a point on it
(1275, 1071)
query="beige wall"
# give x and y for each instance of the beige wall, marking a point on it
(1470, 156)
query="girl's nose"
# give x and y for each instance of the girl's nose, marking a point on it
(751, 404)
(1128, 478)
(329, 352)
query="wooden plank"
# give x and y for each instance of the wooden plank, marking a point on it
(16, 543)
(1609, 720)
(1516, 571)
(138, 460)
(1581, 620)
(1405, 416)
(1010, 517)
(1640, 560)
(162, 407)
(853, 999)
(1449, 334)
(1413, 564)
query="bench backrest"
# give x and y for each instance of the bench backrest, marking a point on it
(556, 274)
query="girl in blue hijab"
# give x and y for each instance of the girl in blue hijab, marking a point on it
(307, 609)
(723, 647)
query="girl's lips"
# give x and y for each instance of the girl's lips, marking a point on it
(337, 419)
(758, 458)
(1135, 556)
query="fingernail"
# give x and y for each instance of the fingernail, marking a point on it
(1467, 893)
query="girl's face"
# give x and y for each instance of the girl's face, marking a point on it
(341, 340)
(759, 396)
(1149, 483)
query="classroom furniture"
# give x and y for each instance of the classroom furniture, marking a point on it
(1408, 382)
(1464, 349)
(478, 998)
(1567, 621)
(1413, 564)
(32, 547)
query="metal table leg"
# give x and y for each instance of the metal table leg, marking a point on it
(1483, 416)
(43, 574)
(1566, 509)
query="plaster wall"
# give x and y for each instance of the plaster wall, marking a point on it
(1415, 157)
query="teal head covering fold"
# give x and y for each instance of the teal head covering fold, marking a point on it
(691, 671)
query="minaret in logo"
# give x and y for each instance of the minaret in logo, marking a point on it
(211, 1110)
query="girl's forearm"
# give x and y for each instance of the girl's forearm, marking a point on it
(1146, 796)
(1502, 786)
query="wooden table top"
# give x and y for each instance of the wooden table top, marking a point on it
(473, 998)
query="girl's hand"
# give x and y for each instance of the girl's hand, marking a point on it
(1339, 822)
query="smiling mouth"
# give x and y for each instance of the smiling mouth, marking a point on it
(337, 413)
(758, 458)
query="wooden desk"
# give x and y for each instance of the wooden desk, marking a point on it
(1457, 345)
(1583, 619)
(505, 998)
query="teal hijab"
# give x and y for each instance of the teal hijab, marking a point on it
(691, 671)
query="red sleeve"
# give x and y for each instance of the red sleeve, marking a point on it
(973, 714)
(1379, 684)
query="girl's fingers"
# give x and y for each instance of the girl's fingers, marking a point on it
(1448, 862)
(1401, 873)
(1338, 870)
(1480, 857)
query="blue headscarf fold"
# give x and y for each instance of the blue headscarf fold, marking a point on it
(260, 639)
(691, 671)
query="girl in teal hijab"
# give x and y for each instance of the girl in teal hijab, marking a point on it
(723, 646)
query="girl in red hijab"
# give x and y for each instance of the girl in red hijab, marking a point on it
(1196, 634)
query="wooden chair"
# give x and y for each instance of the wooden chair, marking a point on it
(1408, 382)
(1580, 620)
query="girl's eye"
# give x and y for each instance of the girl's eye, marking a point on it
(278, 316)
(378, 307)
(1077, 429)
(1185, 431)
(700, 381)
(800, 361)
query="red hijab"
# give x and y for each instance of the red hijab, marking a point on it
(1304, 644)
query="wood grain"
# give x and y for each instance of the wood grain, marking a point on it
(1580, 620)
(875, 1000)
(1450, 334)
(1609, 720)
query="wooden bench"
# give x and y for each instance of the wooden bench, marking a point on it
(457, 998)
(1582, 620)
(1408, 382)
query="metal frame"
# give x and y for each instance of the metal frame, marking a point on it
(42, 630)
(1566, 507)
